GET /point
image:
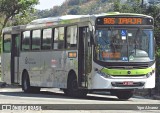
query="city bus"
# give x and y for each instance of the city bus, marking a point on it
(81, 53)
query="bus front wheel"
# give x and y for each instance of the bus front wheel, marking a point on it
(124, 94)
(72, 87)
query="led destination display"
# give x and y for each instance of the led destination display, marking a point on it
(124, 21)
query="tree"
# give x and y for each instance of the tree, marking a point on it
(154, 11)
(22, 19)
(74, 10)
(10, 8)
(117, 5)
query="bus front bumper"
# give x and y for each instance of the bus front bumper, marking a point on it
(100, 82)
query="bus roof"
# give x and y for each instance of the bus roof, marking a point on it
(53, 21)
(67, 19)
(61, 19)
(58, 19)
(127, 14)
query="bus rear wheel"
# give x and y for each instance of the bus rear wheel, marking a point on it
(72, 87)
(124, 94)
(26, 84)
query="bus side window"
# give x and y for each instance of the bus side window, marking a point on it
(55, 38)
(59, 38)
(36, 40)
(47, 39)
(71, 37)
(7, 43)
(26, 41)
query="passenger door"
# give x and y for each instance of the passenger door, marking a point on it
(84, 56)
(15, 45)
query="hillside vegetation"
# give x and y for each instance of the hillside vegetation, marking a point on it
(75, 7)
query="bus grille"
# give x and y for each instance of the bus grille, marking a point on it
(128, 67)
(128, 75)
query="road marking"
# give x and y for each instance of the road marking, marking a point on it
(3, 90)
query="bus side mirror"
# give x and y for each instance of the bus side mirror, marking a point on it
(91, 37)
(91, 29)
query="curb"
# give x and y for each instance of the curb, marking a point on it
(2, 84)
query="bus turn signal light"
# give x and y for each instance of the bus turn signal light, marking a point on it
(72, 54)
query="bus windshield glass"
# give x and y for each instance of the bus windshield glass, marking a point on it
(124, 45)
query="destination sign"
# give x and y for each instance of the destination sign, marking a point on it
(124, 21)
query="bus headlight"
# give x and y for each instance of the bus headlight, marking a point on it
(103, 74)
(150, 74)
(107, 76)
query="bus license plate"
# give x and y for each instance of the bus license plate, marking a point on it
(128, 83)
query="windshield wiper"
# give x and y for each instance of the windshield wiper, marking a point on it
(104, 40)
(113, 40)
(137, 33)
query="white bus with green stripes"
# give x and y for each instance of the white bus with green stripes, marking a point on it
(81, 53)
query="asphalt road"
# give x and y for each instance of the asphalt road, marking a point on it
(54, 99)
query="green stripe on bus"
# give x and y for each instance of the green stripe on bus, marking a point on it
(125, 72)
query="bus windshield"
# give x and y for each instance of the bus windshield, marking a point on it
(124, 45)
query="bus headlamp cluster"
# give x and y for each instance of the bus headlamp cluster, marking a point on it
(150, 74)
(103, 74)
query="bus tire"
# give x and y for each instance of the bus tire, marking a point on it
(65, 91)
(72, 87)
(124, 94)
(26, 83)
